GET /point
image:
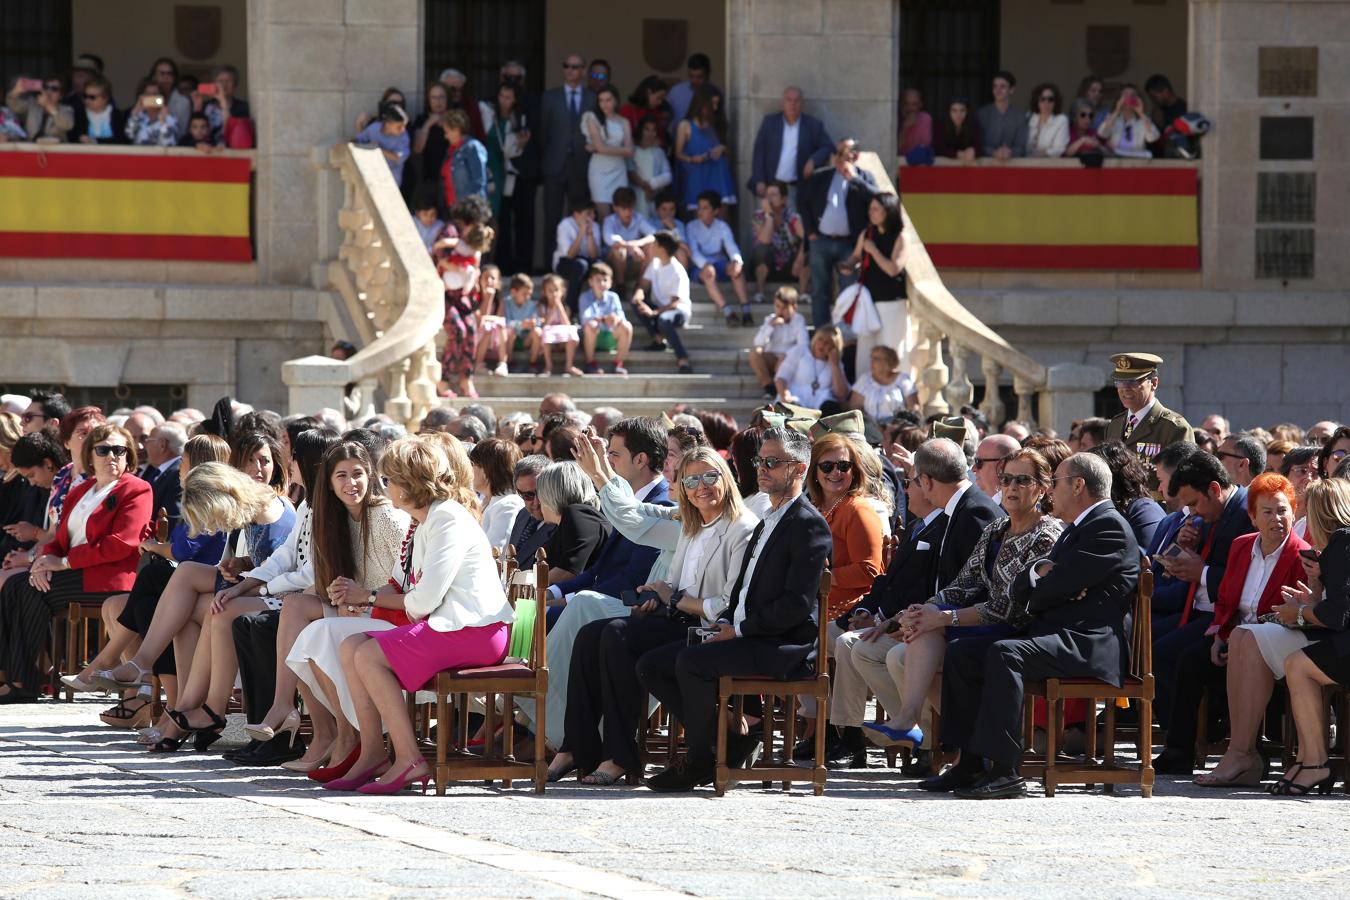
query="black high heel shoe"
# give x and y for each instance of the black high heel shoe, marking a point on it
(171, 744)
(1287, 779)
(209, 735)
(1293, 789)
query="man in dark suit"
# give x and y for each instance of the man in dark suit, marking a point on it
(833, 204)
(1169, 594)
(789, 147)
(529, 532)
(1078, 598)
(769, 627)
(941, 471)
(164, 453)
(563, 158)
(1200, 483)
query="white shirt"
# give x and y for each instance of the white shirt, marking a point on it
(1050, 140)
(687, 577)
(498, 517)
(882, 401)
(709, 243)
(1258, 574)
(79, 515)
(642, 492)
(770, 520)
(809, 379)
(834, 220)
(1139, 416)
(670, 283)
(567, 233)
(781, 339)
(573, 97)
(787, 157)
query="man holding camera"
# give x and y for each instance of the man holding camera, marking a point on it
(768, 629)
(834, 212)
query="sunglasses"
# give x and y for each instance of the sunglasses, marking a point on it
(1303, 471)
(93, 96)
(1230, 455)
(30, 416)
(1338, 455)
(573, 66)
(707, 479)
(769, 462)
(1019, 480)
(828, 467)
(599, 76)
(106, 450)
(52, 87)
(528, 496)
(981, 460)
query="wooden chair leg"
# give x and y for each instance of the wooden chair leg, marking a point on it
(790, 735)
(1054, 716)
(1202, 731)
(508, 734)
(1146, 774)
(489, 730)
(1109, 750)
(822, 721)
(766, 723)
(540, 762)
(720, 772)
(443, 726)
(1090, 734)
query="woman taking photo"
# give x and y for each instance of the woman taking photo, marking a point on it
(880, 256)
(355, 542)
(978, 602)
(460, 619)
(604, 695)
(1128, 130)
(1323, 603)
(494, 462)
(92, 556)
(609, 140)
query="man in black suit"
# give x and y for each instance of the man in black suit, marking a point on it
(1201, 484)
(1078, 599)
(941, 470)
(563, 158)
(164, 455)
(768, 629)
(833, 204)
(529, 532)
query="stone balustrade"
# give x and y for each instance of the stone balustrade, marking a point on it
(390, 300)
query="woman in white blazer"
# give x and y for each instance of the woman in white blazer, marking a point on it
(604, 696)
(460, 619)
(1047, 126)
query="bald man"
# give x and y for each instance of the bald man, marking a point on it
(991, 451)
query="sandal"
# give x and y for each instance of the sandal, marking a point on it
(104, 678)
(1290, 788)
(123, 715)
(602, 779)
(554, 777)
(1287, 780)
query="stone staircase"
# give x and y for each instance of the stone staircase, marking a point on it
(722, 377)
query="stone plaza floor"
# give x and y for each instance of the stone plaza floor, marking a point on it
(84, 813)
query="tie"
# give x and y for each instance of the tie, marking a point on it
(531, 525)
(573, 102)
(745, 564)
(1195, 585)
(1129, 426)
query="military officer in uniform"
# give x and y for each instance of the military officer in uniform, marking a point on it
(1146, 426)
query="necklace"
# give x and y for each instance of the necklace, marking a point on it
(829, 512)
(815, 380)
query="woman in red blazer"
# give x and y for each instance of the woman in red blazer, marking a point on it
(92, 556)
(1258, 566)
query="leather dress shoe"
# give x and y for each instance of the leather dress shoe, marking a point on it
(743, 750)
(681, 776)
(278, 750)
(1174, 762)
(847, 758)
(952, 779)
(920, 765)
(995, 787)
(806, 748)
(252, 745)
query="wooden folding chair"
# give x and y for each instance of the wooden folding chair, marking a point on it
(74, 651)
(1136, 686)
(731, 691)
(508, 680)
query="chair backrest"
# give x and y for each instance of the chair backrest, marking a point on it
(539, 647)
(508, 566)
(1141, 632)
(823, 623)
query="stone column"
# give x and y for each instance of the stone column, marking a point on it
(314, 66)
(844, 57)
(1068, 395)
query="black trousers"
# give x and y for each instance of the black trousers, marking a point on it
(604, 696)
(514, 251)
(983, 682)
(1168, 650)
(559, 190)
(26, 621)
(141, 605)
(684, 679)
(1194, 671)
(255, 643)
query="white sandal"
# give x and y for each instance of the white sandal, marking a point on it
(103, 678)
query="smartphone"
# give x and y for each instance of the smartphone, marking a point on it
(630, 598)
(152, 101)
(1171, 551)
(700, 635)
(1310, 555)
(207, 89)
(30, 85)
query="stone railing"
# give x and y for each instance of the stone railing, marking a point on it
(1054, 395)
(389, 301)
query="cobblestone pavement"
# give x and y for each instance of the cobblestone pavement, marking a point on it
(84, 813)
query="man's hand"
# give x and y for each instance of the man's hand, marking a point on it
(725, 632)
(808, 169)
(861, 618)
(1188, 536)
(1044, 569)
(901, 458)
(1185, 567)
(23, 531)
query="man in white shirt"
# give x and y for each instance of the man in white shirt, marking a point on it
(789, 146)
(667, 284)
(712, 247)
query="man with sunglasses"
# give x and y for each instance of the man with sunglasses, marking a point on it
(992, 451)
(769, 626)
(563, 157)
(1146, 426)
(529, 532)
(1243, 457)
(44, 409)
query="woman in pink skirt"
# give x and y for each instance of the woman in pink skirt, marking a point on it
(460, 619)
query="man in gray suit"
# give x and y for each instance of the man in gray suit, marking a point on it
(563, 148)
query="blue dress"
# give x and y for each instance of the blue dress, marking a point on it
(711, 175)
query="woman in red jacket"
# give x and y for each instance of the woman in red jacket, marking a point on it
(92, 556)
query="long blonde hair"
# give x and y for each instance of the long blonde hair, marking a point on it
(691, 520)
(461, 470)
(1328, 505)
(219, 497)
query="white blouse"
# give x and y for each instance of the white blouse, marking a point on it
(883, 401)
(498, 517)
(78, 520)
(694, 556)
(455, 583)
(1258, 575)
(809, 379)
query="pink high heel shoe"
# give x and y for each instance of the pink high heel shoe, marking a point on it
(354, 782)
(399, 783)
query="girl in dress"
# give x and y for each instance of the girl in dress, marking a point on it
(609, 140)
(558, 327)
(649, 170)
(702, 155)
(459, 271)
(491, 320)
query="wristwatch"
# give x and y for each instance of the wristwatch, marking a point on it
(371, 599)
(263, 591)
(956, 622)
(1301, 608)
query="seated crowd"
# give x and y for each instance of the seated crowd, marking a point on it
(341, 564)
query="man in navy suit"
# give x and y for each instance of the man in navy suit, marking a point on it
(1169, 594)
(789, 146)
(1201, 483)
(563, 159)
(636, 453)
(164, 454)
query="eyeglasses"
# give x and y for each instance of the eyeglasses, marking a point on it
(106, 450)
(1128, 385)
(1303, 471)
(30, 416)
(1047, 98)
(1020, 480)
(1056, 478)
(904, 482)
(93, 96)
(981, 460)
(1229, 455)
(829, 465)
(770, 462)
(707, 479)
(528, 496)
(52, 87)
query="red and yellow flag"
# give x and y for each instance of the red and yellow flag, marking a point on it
(115, 206)
(1032, 217)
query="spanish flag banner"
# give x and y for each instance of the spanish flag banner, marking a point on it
(114, 206)
(1015, 217)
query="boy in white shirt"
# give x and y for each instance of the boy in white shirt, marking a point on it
(670, 308)
(627, 236)
(782, 330)
(602, 310)
(712, 247)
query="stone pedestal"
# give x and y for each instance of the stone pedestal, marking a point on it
(1068, 395)
(314, 383)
